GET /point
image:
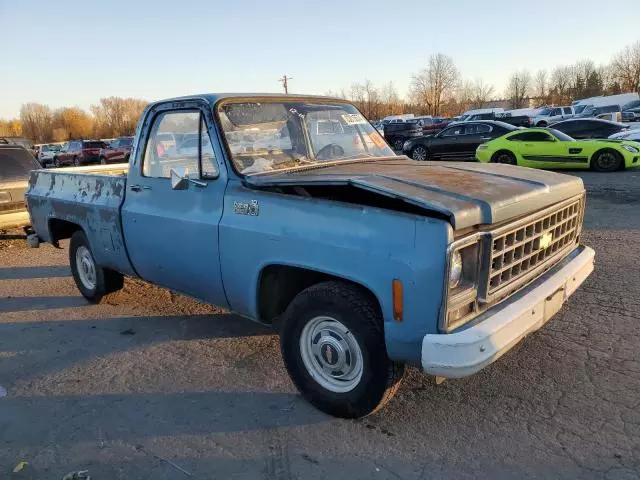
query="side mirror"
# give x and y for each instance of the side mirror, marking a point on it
(180, 179)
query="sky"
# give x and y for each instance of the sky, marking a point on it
(72, 53)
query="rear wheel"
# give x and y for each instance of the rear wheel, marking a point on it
(398, 144)
(93, 281)
(419, 152)
(607, 161)
(332, 343)
(505, 157)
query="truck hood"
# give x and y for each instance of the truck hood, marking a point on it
(468, 194)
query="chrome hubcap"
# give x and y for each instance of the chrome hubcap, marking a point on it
(331, 354)
(419, 154)
(86, 268)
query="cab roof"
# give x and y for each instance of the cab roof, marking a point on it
(213, 98)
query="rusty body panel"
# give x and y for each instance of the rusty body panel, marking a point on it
(468, 194)
(88, 197)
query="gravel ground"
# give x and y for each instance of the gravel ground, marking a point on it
(150, 385)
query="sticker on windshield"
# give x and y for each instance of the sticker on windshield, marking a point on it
(377, 139)
(354, 119)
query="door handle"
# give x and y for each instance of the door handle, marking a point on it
(137, 188)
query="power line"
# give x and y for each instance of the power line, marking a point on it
(284, 80)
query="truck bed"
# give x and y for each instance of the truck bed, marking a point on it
(88, 197)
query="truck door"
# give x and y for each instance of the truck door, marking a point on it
(171, 234)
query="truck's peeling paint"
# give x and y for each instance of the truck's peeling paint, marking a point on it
(91, 201)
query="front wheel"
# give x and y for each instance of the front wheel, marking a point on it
(93, 281)
(76, 162)
(541, 124)
(398, 144)
(56, 162)
(607, 161)
(333, 346)
(419, 152)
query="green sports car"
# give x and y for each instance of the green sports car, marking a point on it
(549, 148)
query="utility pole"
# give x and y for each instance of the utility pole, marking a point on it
(285, 83)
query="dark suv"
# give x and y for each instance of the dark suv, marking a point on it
(79, 152)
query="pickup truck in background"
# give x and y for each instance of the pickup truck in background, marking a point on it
(363, 261)
(550, 115)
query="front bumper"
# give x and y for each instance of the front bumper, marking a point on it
(500, 328)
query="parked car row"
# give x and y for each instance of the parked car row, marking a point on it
(459, 141)
(85, 152)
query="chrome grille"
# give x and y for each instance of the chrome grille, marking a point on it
(518, 251)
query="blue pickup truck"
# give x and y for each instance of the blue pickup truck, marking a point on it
(293, 211)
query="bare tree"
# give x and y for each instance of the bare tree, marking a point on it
(372, 99)
(626, 68)
(540, 85)
(391, 103)
(559, 85)
(36, 121)
(518, 88)
(116, 116)
(482, 92)
(435, 83)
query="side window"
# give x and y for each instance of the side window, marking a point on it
(531, 137)
(179, 139)
(567, 110)
(114, 144)
(482, 128)
(453, 131)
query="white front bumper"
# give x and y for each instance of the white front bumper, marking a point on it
(468, 351)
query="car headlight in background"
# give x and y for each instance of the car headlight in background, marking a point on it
(630, 148)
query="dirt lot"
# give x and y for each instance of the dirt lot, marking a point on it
(151, 383)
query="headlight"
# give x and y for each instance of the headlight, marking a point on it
(463, 285)
(631, 149)
(406, 145)
(455, 272)
(483, 146)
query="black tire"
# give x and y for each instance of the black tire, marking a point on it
(56, 162)
(417, 152)
(607, 161)
(356, 311)
(398, 143)
(541, 124)
(126, 158)
(76, 162)
(505, 157)
(103, 161)
(106, 280)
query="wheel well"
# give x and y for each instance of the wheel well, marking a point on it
(61, 229)
(279, 284)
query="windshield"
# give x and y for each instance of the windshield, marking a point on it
(563, 137)
(271, 136)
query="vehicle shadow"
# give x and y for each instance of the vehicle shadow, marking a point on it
(21, 273)
(19, 304)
